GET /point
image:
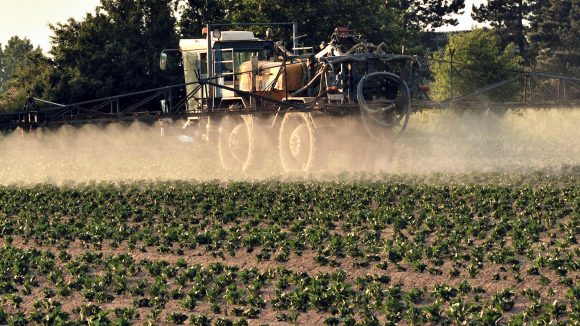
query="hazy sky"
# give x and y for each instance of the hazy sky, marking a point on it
(30, 18)
(465, 21)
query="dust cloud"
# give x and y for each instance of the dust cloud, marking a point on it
(512, 141)
(436, 141)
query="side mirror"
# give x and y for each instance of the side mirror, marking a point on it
(163, 61)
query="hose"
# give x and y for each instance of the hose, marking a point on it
(354, 48)
(296, 93)
(323, 81)
(367, 112)
(347, 58)
(382, 47)
(283, 50)
(399, 57)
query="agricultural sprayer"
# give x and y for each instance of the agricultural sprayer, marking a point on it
(242, 94)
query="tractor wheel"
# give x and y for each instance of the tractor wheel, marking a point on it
(236, 142)
(296, 142)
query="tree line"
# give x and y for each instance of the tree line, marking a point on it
(115, 50)
(523, 35)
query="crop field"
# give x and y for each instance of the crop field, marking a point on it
(473, 249)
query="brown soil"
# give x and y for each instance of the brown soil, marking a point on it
(304, 263)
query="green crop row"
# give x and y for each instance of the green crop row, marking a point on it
(242, 292)
(360, 252)
(366, 222)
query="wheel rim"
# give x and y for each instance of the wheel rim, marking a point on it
(296, 142)
(235, 143)
(238, 142)
(299, 143)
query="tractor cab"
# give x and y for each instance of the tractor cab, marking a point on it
(229, 57)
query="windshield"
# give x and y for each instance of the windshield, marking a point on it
(245, 56)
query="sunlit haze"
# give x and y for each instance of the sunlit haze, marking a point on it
(30, 18)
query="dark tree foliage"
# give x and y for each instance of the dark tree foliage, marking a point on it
(13, 54)
(316, 19)
(507, 18)
(24, 71)
(195, 14)
(34, 76)
(395, 21)
(428, 14)
(479, 60)
(114, 51)
(2, 68)
(555, 36)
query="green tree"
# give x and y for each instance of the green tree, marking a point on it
(34, 76)
(479, 60)
(1, 68)
(555, 36)
(195, 14)
(13, 55)
(507, 17)
(24, 71)
(114, 51)
(427, 14)
(316, 19)
(377, 20)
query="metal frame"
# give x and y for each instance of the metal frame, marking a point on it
(530, 97)
(110, 109)
(210, 53)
